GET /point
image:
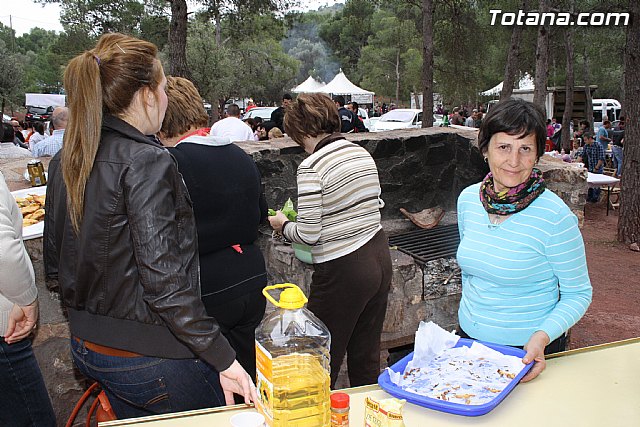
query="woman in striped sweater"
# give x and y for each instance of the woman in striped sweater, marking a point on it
(339, 217)
(524, 272)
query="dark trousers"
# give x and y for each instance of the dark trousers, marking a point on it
(238, 320)
(555, 346)
(23, 396)
(349, 295)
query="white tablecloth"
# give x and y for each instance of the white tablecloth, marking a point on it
(598, 179)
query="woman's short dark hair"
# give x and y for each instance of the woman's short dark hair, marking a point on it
(311, 114)
(514, 117)
(39, 127)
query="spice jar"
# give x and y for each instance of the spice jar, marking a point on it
(339, 410)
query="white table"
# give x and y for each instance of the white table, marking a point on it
(596, 180)
(595, 386)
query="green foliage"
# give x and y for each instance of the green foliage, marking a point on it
(140, 18)
(7, 36)
(43, 64)
(11, 75)
(211, 65)
(347, 32)
(392, 58)
(261, 51)
(240, 67)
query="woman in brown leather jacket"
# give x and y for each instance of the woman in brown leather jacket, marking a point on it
(127, 246)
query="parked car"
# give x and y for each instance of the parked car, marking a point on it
(38, 114)
(400, 118)
(263, 112)
(364, 115)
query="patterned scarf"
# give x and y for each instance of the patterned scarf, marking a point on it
(511, 200)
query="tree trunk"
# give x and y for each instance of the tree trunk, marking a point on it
(178, 39)
(565, 136)
(427, 63)
(542, 60)
(629, 219)
(587, 82)
(217, 104)
(398, 77)
(511, 68)
(218, 22)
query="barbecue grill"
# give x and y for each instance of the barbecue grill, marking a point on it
(427, 245)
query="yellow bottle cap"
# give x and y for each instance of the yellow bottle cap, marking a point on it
(291, 297)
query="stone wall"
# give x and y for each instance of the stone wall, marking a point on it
(418, 169)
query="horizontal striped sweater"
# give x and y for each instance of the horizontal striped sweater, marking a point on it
(338, 201)
(526, 274)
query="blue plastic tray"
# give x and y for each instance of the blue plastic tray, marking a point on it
(454, 408)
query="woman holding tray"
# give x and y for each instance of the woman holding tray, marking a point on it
(524, 272)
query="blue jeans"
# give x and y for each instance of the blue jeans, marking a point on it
(23, 396)
(141, 386)
(617, 158)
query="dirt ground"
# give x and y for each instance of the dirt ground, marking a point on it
(614, 270)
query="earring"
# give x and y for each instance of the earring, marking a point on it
(486, 160)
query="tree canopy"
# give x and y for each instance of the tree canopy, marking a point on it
(265, 49)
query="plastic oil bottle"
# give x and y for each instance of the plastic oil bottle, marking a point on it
(292, 361)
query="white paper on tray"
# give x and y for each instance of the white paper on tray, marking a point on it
(466, 375)
(431, 340)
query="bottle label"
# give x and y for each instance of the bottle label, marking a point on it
(339, 419)
(264, 381)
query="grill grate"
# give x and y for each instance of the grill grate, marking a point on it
(427, 245)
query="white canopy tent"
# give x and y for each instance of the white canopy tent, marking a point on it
(310, 85)
(525, 83)
(340, 85)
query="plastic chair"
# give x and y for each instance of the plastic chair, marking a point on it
(613, 192)
(100, 407)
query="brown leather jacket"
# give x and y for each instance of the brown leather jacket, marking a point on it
(130, 277)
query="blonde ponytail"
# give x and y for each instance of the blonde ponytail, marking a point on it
(82, 135)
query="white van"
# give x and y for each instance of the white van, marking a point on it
(606, 107)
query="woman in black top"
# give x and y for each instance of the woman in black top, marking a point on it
(228, 202)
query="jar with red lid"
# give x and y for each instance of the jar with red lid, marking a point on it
(339, 410)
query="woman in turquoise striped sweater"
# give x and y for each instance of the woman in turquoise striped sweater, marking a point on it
(524, 272)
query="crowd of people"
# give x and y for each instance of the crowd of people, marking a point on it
(31, 139)
(152, 220)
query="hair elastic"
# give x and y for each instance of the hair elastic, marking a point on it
(97, 59)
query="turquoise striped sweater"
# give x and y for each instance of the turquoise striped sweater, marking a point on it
(526, 274)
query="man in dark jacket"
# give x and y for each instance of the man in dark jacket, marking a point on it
(350, 121)
(278, 114)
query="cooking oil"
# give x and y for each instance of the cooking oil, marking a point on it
(292, 360)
